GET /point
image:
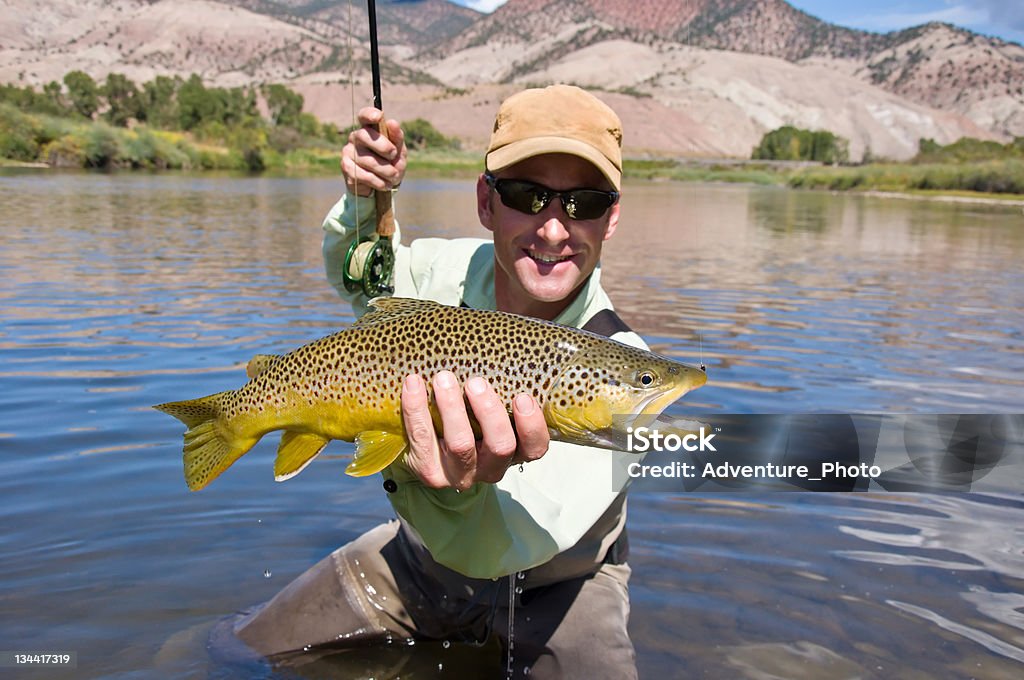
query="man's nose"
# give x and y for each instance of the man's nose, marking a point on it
(554, 230)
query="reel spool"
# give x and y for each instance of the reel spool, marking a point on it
(369, 265)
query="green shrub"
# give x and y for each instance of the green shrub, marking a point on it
(103, 148)
(420, 134)
(66, 152)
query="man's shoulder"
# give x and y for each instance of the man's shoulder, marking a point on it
(442, 268)
(429, 248)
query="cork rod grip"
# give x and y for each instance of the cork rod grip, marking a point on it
(385, 209)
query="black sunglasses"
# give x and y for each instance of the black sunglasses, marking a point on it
(530, 198)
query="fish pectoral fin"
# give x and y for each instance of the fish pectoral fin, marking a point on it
(260, 363)
(375, 450)
(295, 452)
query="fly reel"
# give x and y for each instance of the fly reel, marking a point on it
(369, 265)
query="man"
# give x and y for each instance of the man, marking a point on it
(469, 512)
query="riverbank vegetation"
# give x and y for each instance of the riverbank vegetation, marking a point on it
(172, 123)
(178, 123)
(967, 165)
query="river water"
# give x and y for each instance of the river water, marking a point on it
(123, 291)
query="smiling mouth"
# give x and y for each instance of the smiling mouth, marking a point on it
(547, 259)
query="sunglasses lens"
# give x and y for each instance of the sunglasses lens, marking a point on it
(586, 204)
(523, 196)
(530, 198)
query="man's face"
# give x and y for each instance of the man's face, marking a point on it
(543, 259)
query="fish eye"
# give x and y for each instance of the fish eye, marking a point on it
(646, 379)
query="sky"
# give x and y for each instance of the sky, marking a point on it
(1000, 18)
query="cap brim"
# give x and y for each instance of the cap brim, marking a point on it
(510, 154)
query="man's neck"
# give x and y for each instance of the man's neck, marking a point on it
(506, 301)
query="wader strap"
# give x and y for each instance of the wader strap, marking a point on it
(618, 553)
(606, 323)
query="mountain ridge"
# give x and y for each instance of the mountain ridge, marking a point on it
(695, 63)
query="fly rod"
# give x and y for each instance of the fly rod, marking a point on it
(369, 263)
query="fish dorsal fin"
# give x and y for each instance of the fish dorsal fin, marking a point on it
(260, 363)
(390, 308)
(296, 451)
(375, 450)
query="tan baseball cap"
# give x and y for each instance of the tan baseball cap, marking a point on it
(557, 119)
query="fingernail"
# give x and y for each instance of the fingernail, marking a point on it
(525, 404)
(445, 379)
(476, 385)
(413, 385)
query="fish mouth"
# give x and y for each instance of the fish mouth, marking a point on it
(649, 410)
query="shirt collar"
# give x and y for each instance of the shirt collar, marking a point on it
(478, 288)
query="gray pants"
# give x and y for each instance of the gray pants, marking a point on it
(380, 587)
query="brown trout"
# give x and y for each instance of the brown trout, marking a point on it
(348, 386)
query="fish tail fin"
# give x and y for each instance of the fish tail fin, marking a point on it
(208, 451)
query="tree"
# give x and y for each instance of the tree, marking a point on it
(83, 92)
(420, 134)
(789, 143)
(239, 106)
(285, 105)
(196, 104)
(123, 100)
(158, 105)
(54, 93)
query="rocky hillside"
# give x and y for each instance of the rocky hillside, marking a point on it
(935, 65)
(409, 25)
(766, 27)
(705, 77)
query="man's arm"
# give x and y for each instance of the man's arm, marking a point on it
(372, 162)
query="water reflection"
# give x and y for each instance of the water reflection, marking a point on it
(121, 291)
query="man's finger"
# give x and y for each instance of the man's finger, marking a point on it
(498, 443)
(424, 456)
(458, 456)
(531, 428)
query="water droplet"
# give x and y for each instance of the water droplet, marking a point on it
(266, 573)
(446, 644)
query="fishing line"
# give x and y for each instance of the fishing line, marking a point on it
(511, 625)
(696, 239)
(352, 104)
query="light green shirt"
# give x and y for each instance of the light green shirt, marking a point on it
(562, 511)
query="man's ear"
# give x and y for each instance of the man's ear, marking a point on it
(613, 221)
(484, 205)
